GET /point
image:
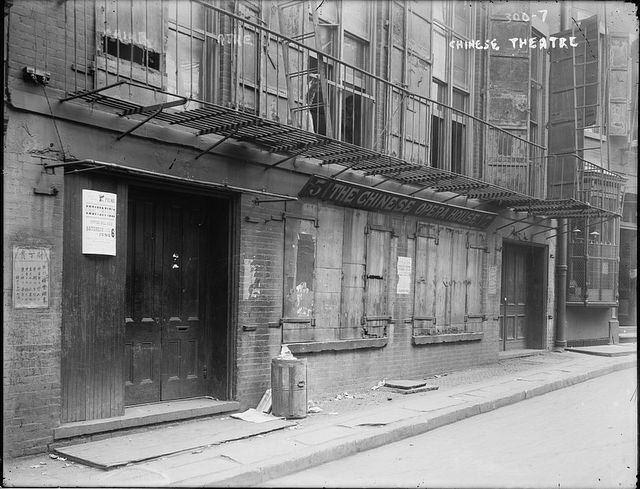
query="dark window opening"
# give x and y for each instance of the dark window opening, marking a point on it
(317, 104)
(437, 143)
(131, 52)
(351, 119)
(457, 146)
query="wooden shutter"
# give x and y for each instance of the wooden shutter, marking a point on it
(328, 273)
(476, 252)
(442, 280)
(376, 299)
(299, 280)
(424, 315)
(353, 270)
(458, 279)
(619, 85)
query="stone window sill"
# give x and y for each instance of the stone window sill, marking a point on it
(446, 338)
(338, 345)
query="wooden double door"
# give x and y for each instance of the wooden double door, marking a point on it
(175, 316)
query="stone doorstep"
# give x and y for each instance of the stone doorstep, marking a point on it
(627, 337)
(509, 354)
(145, 415)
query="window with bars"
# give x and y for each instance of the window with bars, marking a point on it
(593, 261)
(331, 98)
(423, 62)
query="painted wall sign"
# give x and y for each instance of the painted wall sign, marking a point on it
(30, 277)
(98, 222)
(404, 275)
(362, 197)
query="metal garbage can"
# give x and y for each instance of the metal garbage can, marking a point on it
(289, 387)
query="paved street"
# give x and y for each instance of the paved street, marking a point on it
(581, 436)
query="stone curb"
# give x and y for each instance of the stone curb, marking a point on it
(422, 423)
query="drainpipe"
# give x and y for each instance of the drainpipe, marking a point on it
(561, 286)
(561, 253)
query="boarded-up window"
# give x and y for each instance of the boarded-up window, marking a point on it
(353, 269)
(377, 277)
(448, 280)
(424, 318)
(457, 285)
(299, 278)
(328, 271)
(476, 253)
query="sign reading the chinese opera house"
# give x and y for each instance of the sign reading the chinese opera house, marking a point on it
(361, 197)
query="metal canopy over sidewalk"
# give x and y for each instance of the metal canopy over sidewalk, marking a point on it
(292, 142)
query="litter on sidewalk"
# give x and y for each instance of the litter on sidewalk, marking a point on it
(403, 386)
(255, 416)
(264, 405)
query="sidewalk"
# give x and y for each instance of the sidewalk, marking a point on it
(356, 422)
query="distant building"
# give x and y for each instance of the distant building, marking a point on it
(190, 185)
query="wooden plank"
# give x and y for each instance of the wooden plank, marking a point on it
(353, 256)
(377, 272)
(330, 238)
(73, 339)
(442, 278)
(93, 311)
(475, 262)
(458, 277)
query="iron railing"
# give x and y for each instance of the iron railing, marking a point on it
(284, 71)
(573, 177)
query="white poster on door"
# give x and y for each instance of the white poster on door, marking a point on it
(98, 222)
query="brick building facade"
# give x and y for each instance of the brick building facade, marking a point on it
(377, 205)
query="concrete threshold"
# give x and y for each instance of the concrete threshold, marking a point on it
(618, 350)
(527, 352)
(147, 414)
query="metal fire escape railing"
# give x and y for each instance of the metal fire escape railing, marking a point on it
(221, 73)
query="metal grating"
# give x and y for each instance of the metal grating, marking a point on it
(281, 138)
(565, 208)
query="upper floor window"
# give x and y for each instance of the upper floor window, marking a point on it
(130, 43)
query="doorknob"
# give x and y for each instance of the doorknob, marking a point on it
(157, 320)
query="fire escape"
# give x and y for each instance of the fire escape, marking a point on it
(298, 101)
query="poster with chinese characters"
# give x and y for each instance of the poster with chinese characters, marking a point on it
(98, 222)
(30, 277)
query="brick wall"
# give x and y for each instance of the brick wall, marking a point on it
(31, 337)
(38, 33)
(259, 297)
(331, 372)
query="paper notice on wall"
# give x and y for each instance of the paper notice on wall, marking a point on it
(30, 277)
(98, 222)
(605, 268)
(404, 275)
(492, 280)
